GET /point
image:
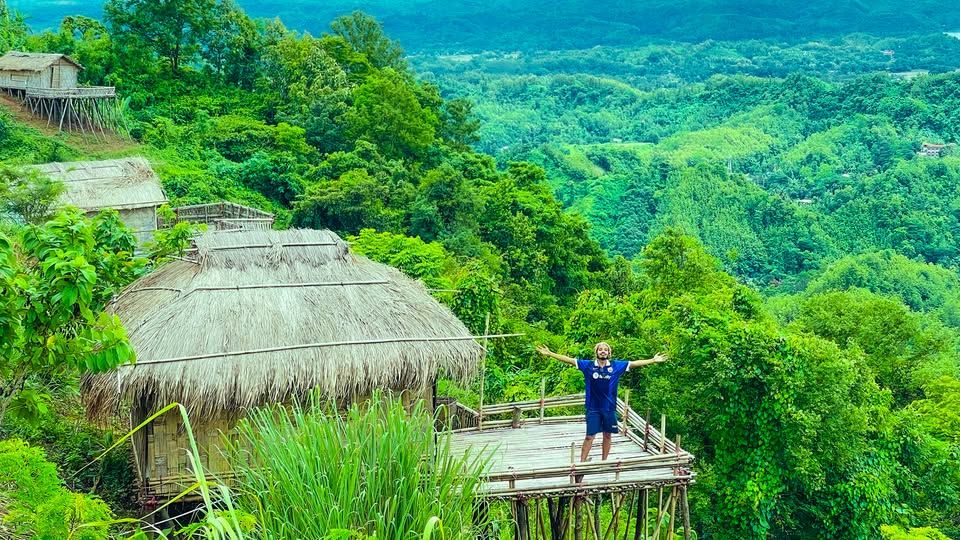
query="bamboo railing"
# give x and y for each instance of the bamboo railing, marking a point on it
(659, 461)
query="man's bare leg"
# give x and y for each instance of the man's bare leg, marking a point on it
(585, 449)
(607, 442)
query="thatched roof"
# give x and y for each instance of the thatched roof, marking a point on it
(23, 61)
(286, 292)
(114, 183)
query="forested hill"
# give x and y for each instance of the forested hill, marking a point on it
(509, 25)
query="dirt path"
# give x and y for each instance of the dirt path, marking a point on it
(99, 146)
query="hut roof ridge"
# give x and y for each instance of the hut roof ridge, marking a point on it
(30, 61)
(113, 183)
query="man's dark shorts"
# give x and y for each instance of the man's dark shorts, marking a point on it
(601, 421)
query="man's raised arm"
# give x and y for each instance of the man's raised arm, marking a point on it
(542, 349)
(657, 358)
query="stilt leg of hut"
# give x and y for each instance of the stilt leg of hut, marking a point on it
(641, 528)
(521, 514)
(596, 516)
(481, 519)
(578, 518)
(541, 525)
(557, 512)
(629, 508)
(673, 508)
(685, 509)
(617, 501)
(661, 510)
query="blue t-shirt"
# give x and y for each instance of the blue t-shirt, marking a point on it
(601, 383)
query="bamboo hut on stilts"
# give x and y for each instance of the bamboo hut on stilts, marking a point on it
(257, 317)
(47, 86)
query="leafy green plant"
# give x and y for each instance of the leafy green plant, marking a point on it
(37, 505)
(374, 470)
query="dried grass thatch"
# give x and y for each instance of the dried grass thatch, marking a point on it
(114, 183)
(24, 61)
(246, 292)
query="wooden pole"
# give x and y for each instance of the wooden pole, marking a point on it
(673, 508)
(643, 516)
(543, 391)
(321, 345)
(646, 430)
(685, 509)
(630, 505)
(483, 373)
(596, 516)
(660, 512)
(578, 518)
(542, 526)
(663, 450)
(616, 501)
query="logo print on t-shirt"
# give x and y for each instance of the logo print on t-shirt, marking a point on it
(610, 369)
(596, 375)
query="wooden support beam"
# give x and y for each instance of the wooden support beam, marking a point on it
(578, 518)
(685, 509)
(673, 508)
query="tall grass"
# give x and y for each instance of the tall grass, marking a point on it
(307, 472)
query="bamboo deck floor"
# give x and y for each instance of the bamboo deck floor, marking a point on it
(529, 452)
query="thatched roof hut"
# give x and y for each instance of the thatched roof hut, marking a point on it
(263, 316)
(20, 70)
(128, 185)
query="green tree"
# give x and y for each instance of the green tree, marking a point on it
(364, 35)
(55, 284)
(172, 29)
(386, 112)
(28, 195)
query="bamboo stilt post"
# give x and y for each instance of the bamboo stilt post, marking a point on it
(593, 514)
(660, 511)
(543, 392)
(613, 526)
(483, 372)
(578, 518)
(630, 505)
(685, 510)
(646, 510)
(542, 526)
(673, 508)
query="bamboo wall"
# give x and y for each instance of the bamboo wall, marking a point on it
(162, 454)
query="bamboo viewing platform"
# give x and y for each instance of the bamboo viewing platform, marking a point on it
(536, 457)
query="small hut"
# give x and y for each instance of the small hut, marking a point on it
(261, 317)
(21, 70)
(128, 185)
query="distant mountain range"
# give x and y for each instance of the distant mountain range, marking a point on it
(506, 25)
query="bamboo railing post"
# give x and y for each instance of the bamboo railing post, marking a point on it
(543, 390)
(663, 450)
(516, 417)
(626, 409)
(483, 373)
(646, 430)
(685, 510)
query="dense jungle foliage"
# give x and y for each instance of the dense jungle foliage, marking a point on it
(755, 206)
